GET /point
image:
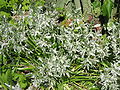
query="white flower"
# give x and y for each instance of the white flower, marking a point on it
(97, 25)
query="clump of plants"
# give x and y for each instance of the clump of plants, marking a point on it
(37, 51)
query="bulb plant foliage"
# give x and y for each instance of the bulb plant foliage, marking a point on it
(52, 51)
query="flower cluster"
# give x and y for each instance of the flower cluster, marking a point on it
(52, 48)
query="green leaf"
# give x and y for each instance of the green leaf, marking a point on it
(60, 86)
(83, 79)
(39, 3)
(96, 4)
(95, 88)
(107, 8)
(23, 84)
(2, 13)
(8, 75)
(23, 81)
(2, 3)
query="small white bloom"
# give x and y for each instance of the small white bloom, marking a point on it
(97, 25)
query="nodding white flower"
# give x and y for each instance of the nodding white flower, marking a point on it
(4, 44)
(97, 25)
(78, 27)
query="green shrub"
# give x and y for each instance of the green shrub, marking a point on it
(71, 57)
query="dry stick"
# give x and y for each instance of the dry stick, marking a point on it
(81, 6)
